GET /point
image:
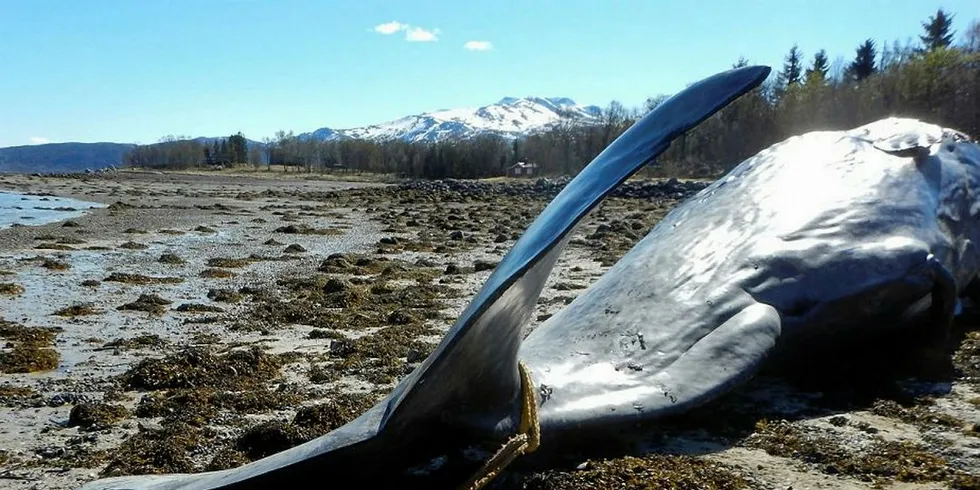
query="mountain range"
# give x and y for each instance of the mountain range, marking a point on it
(510, 117)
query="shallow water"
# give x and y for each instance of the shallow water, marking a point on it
(32, 210)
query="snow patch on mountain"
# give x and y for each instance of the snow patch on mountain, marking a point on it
(511, 117)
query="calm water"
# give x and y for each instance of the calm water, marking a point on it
(37, 210)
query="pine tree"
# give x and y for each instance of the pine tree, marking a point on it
(742, 62)
(237, 148)
(817, 72)
(792, 68)
(938, 31)
(863, 65)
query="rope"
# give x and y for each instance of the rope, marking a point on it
(525, 441)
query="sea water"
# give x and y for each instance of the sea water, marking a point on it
(31, 210)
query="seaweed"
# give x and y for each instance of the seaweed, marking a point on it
(149, 303)
(80, 309)
(140, 279)
(96, 416)
(11, 289)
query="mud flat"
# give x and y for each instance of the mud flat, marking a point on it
(200, 323)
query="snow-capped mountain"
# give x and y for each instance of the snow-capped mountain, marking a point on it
(511, 117)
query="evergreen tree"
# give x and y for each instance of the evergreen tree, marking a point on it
(817, 72)
(742, 62)
(237, 148)
(863, 65)
(939, 32)
(792, 68)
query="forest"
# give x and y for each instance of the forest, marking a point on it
(933, 76)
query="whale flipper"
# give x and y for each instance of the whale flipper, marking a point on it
(490, 379)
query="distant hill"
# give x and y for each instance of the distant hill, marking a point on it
(61, 157)
(71, 157)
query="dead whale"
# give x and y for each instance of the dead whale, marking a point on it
(472, 387)
(814, 241)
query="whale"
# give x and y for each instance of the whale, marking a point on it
(826, 235)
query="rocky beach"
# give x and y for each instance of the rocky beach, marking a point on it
(198, 322)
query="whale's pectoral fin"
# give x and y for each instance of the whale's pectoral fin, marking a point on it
(726, 357)
(583, 394)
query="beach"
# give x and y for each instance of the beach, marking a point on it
(196, 322)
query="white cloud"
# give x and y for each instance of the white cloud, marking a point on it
(478, 45)
(418, 34)
(38, 140)
(390, 27)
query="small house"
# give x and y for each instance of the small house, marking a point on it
(522, 169)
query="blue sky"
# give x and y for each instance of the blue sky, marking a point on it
(136, 70)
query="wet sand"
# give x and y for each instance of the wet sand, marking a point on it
(189, 338)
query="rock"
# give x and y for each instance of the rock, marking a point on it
(483, 265)
(400, 317)
(294, 249)
(335, 285)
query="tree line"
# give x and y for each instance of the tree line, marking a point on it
(934, 78)
(182, 153)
